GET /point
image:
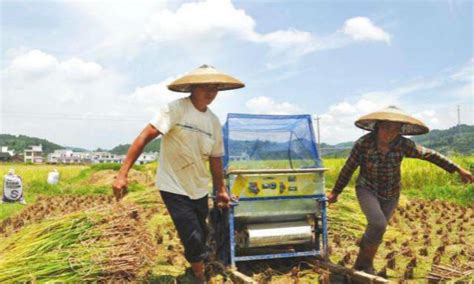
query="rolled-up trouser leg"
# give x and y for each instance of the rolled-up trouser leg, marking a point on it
(189, 217)
(377, 212)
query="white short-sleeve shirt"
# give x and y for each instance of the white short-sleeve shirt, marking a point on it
(190, 137)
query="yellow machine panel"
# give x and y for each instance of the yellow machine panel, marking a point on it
(263, 185)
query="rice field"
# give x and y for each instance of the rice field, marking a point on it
(75, 231)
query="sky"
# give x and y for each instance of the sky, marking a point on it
(93, 73)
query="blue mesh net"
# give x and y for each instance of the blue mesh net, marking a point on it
(269, 142)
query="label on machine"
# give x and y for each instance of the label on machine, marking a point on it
(264, 185)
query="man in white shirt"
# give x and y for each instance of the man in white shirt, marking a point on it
(192, 137)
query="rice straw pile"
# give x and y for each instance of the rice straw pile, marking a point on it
(110, 243)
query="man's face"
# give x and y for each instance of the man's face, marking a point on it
(388, 130)
(205, 94)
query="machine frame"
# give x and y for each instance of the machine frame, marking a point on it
(320, 246)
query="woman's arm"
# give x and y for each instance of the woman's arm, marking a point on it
(413, 150)
(346, 173)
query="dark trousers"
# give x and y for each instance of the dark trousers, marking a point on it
(378, 212)
(189, 218)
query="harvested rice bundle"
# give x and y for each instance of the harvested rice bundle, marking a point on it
(104, 244)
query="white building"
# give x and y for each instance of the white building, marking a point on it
(243, 157)
(106, 157)
(71, 157)
(4, 149)
(147, 158)
(65, 156)
(34, 154)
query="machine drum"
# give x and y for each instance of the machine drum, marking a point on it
(272, 234)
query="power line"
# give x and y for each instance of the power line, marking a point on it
(84, 117)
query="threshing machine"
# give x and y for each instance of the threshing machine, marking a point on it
(272, 166)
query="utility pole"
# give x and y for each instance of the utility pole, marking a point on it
(459, 115)
(319, 135)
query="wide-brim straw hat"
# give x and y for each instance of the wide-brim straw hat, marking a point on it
(410, 125)
(205, 74)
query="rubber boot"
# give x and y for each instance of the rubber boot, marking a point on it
(365, 258)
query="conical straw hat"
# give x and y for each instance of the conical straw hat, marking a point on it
(205, 75)
(410, 125)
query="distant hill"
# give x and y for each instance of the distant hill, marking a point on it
(21, 142)
(455, 140)
(153, 146)
(336, 151)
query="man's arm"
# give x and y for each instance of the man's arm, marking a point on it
(217, 172)
(120, 184)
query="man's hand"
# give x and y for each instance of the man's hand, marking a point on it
(332, 197)
(120, 187)
(466, 176)
(223, 198)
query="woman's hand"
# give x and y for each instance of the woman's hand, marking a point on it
(332, 197)
(466, 176)
(120, 187)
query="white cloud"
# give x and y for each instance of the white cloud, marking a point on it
(337, 124)
(79, 70)
(33, 63)
(429, 117)
(283, 38)
(362, 28)
(40, 65)
(465, 91)
(343, 108)
(150, 97)
(116, 26)
(55, 104)
(219, 18)
(266, 105)
(216, 18)
(465, 74)
(196, 27)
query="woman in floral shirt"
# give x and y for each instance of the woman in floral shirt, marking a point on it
(379, 155)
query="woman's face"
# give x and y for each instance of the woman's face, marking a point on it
(388, 130)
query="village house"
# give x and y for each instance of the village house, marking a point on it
(5, 154)
(243, 157)
(147, 158)
(65, 156)
(106, 157)
(34, 154)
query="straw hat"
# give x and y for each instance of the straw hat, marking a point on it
(410, 125)
(205, 74)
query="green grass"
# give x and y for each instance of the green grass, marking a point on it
(72, 181)
(460, 194)
(419, 179)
